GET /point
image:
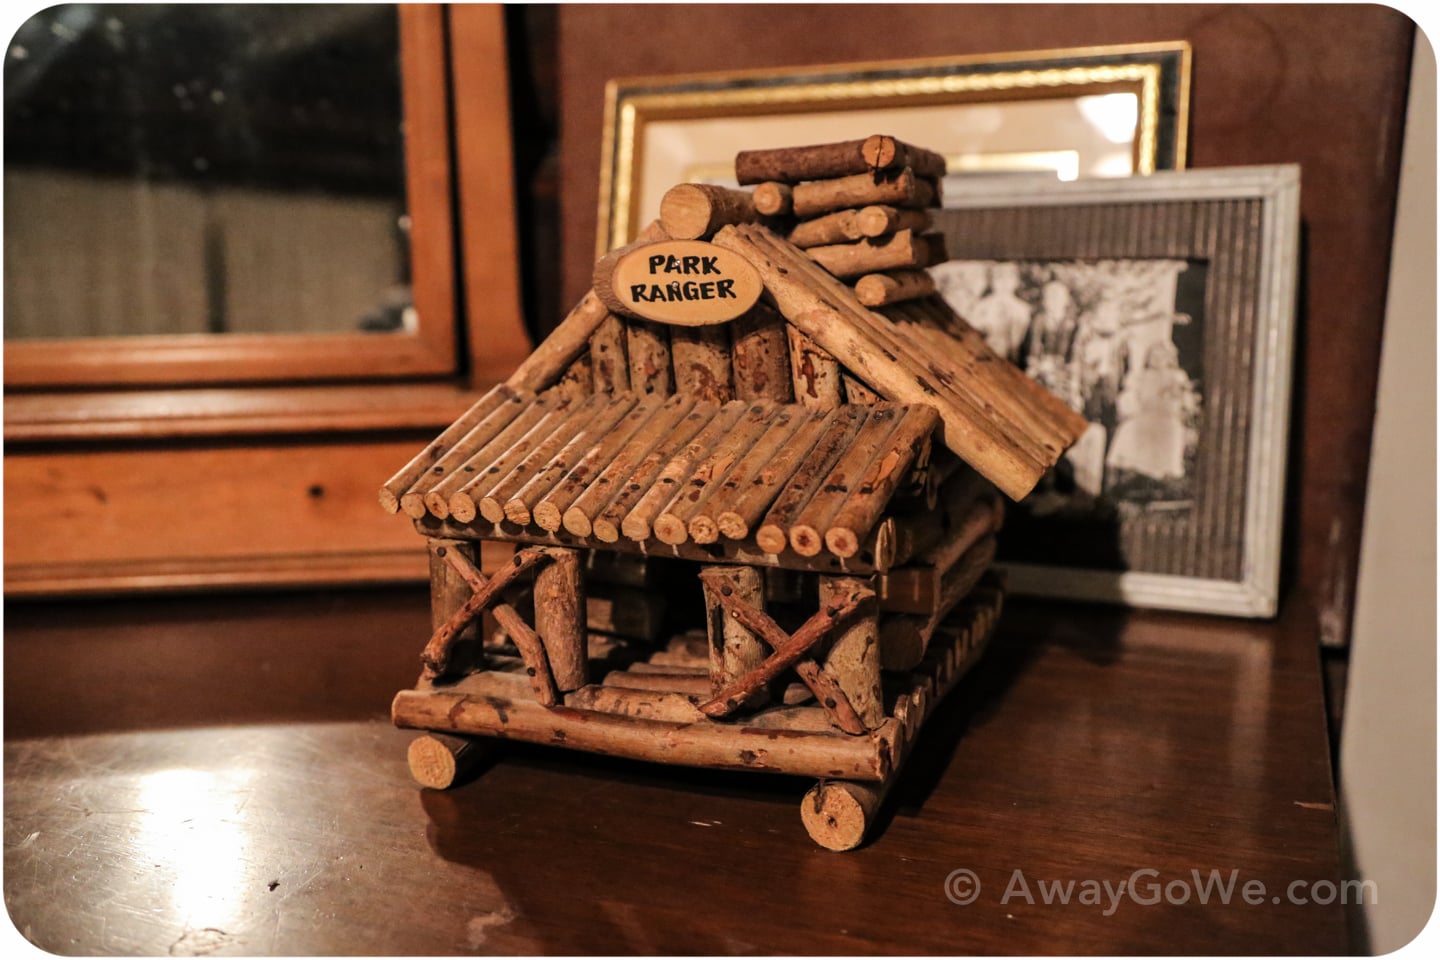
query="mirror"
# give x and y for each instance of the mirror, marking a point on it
(205, 169)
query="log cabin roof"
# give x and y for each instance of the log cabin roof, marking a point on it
(541, 458)
(736, 481)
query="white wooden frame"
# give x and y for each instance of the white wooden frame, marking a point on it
(1255, 593)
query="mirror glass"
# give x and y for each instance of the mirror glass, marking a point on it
(205, 169)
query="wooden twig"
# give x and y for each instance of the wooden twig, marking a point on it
(773, 199)
(394, 488)
(579, 516)
(532, 651)
(894, 251)
(494, 703)
(807, 531)
(693, 211)
(703, 521)
(741, 511)
(700, 357)
(647, 350)
(774, 532)
(760, 360)
(853, 660)
(550, 511)
(710, 471)
(862, 507)
(882, 289)
(831, 696)
(557, 351)
(886, 153)
(787, 649)
(436, 656)
(898, 189)
(637, 522)
(735, 647)
(560, 619)
(607, 356)
(794, 164)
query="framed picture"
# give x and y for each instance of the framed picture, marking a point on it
(1056, 114)
(1162, 308)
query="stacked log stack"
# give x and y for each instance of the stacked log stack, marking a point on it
(860, 209)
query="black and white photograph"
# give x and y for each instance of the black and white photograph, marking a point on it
(1120, 341)
(1157, 309)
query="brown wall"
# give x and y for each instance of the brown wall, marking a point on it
(1322, 86)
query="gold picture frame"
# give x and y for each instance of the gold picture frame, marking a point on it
(714, 114)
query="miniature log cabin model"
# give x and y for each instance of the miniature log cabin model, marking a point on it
(753, 482)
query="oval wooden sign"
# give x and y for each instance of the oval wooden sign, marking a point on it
(689, 283)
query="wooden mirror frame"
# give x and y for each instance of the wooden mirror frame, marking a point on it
(234, 385)
(202, 358)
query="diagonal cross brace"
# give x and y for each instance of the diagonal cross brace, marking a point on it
(788, 649)
(532, 651)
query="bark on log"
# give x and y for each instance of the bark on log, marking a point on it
(1008, 451)
(882, 289)
(700, 357)
(814, 373)
(695, 684)
(742, 511)
(607, 356)
(899, 189)
(496, 458)
(556, 352)
(903, 638)
(894, 251)
(560, 618)
(694, 211)
(918, 532)
(636, 704)
(735, 649)
(440, 760)
(424, 461)
(793, 164)
(773, 199)
(709, 472)
(760, 360)
(857, 392)
(786, 650)
(495, 704)
(807, 532)
(533, 456)
(579, 517)
(648, 505)
(448, 593)
(457, 467)
(436, 656)
(774, 531)
(831, 696)
(578, 380)
(647, 350)
(549, 512)
(867, 500)
(842, 226)
(703, 521)
(878, 219)
(517, 509)
(886, 153)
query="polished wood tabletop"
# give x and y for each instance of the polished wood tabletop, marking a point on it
(217, 775)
